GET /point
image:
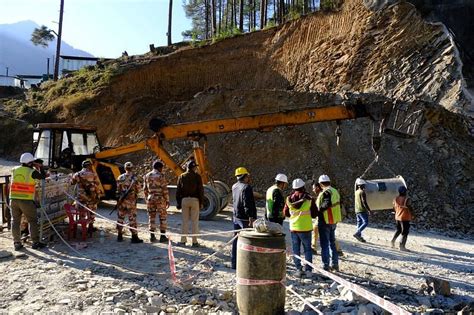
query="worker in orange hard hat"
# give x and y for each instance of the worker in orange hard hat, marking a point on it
(245, 212)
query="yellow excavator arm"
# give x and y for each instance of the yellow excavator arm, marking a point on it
(377, 108)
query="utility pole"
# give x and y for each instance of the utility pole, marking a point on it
(47, 70)
(170, 15)
(58, 46)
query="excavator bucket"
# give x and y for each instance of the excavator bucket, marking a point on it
(405, 121)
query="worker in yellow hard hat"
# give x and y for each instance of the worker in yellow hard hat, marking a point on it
(245, 212)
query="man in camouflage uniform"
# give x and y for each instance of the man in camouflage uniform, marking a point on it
(157, 200)
(87, 190)
(128, 186)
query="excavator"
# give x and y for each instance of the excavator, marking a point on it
(65, 146)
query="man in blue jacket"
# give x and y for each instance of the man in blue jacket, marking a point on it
(245, 212)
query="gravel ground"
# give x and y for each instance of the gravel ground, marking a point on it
(102, 275)
(135, 278)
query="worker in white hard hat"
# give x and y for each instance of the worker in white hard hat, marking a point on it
(329, 214)
(275, 200)
(362, 209)
(22, 198)
(315, 240)
(301, 208)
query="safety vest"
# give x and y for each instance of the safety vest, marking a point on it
(333, 214)
(23, 184)
(300, 219)
(359, 208)
(270, 203)
(402, 212)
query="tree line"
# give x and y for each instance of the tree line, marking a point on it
(216, 18)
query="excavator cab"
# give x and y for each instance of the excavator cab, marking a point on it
(62, 145)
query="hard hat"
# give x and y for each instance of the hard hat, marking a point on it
(323, 179)
(297, 183)
(86, 162)
(191, 164)
(281, 178)
(27, 158)
(128, 165)
(241, 171)
(402, 189)
(360, 181)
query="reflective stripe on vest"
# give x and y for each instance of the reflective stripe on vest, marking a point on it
(333, 214)
(23, 185)
(300, 219)
(270, 202)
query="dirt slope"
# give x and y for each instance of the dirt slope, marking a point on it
(393, 52)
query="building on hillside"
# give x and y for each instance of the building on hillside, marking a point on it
(7, 80)
(69, 64)
(25, 81)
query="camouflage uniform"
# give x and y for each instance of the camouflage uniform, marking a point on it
(128, 205)
(157, 198)
(87, 189)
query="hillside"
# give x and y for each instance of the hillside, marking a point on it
(393, 52)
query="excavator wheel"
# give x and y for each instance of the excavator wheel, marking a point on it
(223, 192)
(211, 206)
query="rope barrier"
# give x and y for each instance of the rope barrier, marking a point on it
(84, 256)
(148, 231)
(306, 302)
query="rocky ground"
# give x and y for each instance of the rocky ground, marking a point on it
(106, 276)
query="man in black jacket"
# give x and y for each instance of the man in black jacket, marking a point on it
(245, 212)
(189, 198)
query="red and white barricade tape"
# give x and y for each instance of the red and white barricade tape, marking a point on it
(258, 249)
(386, 305)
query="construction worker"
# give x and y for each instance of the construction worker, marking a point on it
(275, 201)
(157, 200)
(301, 208)
(315, 239)
(87, 190)
(128, 186)
(403, 216)
(189, 198)
(362, 209)
(22, 199)
(24, 226)
(245, 212)
(329, 214)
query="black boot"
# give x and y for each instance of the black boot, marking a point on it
(135, 239)
(402, 244)
(120, 237)
(38, 245)
(152, 237)
(163, 238)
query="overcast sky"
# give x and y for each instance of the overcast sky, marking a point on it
(103, 28)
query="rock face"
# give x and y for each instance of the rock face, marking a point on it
(393, 52)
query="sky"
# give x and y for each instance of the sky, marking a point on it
(104, 28)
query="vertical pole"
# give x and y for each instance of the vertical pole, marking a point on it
(42, 218)
(47, 66)
(58, 45)
(7, 71)
(170, 17)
